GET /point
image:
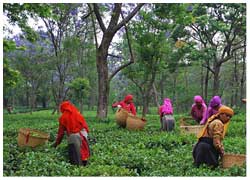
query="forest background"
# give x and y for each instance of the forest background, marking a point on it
(95, 54)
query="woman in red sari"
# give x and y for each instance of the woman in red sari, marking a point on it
(126, 104)
(77, 131)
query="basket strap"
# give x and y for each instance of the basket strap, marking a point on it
(27, 137)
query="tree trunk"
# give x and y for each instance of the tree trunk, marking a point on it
(163, 79)
(156, 96)
(216, 84)
(102, 52)
(145, 104)
(5, 102)
(103, 84)
(235, 82)
(242, 81)
(174, 91)
(92, 99)
(44, 102)
(32, 100)
(202, 82)
(206, 86)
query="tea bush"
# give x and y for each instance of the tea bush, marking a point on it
(115, 151)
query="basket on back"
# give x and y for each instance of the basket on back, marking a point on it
(31, 137)
(229, 160)
(135, 123)
(121, 117)
(189, 129)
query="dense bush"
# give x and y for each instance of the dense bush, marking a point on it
(115, 151)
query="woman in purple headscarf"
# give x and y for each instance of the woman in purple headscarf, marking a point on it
(214, 105)
(199, 109)
(166, 115)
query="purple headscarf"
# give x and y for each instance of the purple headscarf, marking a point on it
(167, 107)
(214, 105)
(215, 101)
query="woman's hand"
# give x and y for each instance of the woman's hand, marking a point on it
(222, 152)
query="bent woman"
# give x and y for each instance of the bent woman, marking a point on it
(209, 146)
(199, 110)
(126, 104)
(166, 115)
(77, 131)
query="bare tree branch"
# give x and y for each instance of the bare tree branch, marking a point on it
(98, 17)
(115, 56)
(209, 68)
(131, 54)
(130, 16)
(115, 16)
(93, 23)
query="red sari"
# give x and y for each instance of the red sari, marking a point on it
(127, 104)
(73, 122)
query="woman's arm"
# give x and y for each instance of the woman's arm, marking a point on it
(60, 135)
(217, 129)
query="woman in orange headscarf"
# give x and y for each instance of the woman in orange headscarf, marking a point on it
(209, 146)
(126, 104)
(77, 131)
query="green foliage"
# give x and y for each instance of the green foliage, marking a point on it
(11, 76)
(115, 151)
(8, 45)
(20, 13)
(80, 86)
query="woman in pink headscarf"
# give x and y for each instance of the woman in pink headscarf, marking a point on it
(199, 109)
(126, 104)
(166, 115)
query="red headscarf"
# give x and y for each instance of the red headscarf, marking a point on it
(71, 118)
(128, 98)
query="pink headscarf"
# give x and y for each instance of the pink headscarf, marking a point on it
(198, 99)
(167, 107)
(199, 114)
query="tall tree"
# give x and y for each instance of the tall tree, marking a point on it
(11, 76)
(151, 49)
(108, 33)
(32, 64)
(62, 25)
(220, 28)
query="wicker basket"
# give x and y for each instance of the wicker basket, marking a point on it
(229, 160)
(121, 117)
(135, 123)
(191, 129)
(31, 137)
(183, 121)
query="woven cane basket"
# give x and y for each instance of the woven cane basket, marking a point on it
(229, 160)
(135, 123)
(121, 117)
(31, 137)
(191, 129)
(184, 121)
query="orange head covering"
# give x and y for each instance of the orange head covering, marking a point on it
(222, 109)
(71, 118)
